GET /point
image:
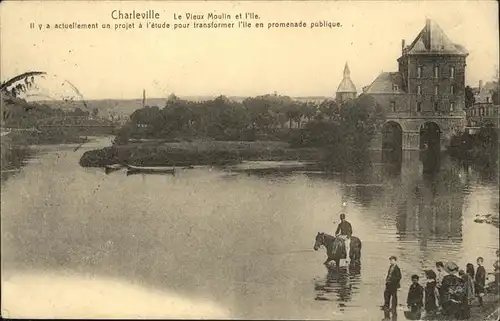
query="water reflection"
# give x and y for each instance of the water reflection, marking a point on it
(431, 161)
(13, 157)
(388, 316)
(432, 208)
(338, 286)
(244, 241)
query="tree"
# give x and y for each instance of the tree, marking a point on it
(329, 109)
(258, 109)
(469, 97)
(172, 97)
(494, 95)
(344, 132)
(95, 112)
(79, 112)
(176, 115)
(310, 110)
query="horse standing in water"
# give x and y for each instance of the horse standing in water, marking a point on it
(335, 252)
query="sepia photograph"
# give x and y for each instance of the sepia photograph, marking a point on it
(327, 160)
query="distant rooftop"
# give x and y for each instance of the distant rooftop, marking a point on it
(386, 83)
(433, 40)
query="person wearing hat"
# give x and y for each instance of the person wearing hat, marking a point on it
(454, 292)
(480, 280)
(431, 293)
(392, 284)
(344, 231)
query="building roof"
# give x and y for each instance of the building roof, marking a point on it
(384, 84)
(486, 88)
(433, 40)
(490, 86)
(346, 85)
(484, 94)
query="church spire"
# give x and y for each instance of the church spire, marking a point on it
(346, 89)
(347, 72)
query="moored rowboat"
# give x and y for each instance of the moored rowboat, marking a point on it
(150, 170)
(112, 168)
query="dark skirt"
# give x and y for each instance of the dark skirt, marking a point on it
(430, 297)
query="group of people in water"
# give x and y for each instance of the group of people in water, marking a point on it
(449, 291)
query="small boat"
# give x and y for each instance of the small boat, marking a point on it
(150, 170)
(112, 168)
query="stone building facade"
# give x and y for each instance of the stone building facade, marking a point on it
(485, 110)
(425, 99)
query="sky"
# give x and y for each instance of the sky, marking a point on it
(235, 62)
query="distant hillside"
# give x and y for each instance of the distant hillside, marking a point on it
(125, 107)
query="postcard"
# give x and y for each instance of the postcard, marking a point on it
(330, 160)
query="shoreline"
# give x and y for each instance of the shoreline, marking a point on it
(197, 153)
(15, 151)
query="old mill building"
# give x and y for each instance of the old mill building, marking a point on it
(425, 99)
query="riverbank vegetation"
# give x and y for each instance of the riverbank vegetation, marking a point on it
(480, 148)
(195, 153)
(32, 123)
(269, 127)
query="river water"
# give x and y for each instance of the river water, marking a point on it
(210, 243)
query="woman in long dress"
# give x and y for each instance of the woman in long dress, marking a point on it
(454, 301)
(431, 293)
(469, 288)
(471, 292)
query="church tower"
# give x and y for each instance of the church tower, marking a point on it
(346, 89)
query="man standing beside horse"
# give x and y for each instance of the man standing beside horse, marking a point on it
(344, 231)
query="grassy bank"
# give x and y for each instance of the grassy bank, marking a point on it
(196, 153)
(46, 137)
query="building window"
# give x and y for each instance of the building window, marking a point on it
(395, 87)
(419, 106)
(419, 72)
(393, 106)
(487, 99)
(436, 72)
(452, 90)
(452, 106)
(419, 90)
(436, 106)
(436, 90)
(452, 72)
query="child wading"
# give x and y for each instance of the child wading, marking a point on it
(480, 280)
(415, 299)
(431, 293)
